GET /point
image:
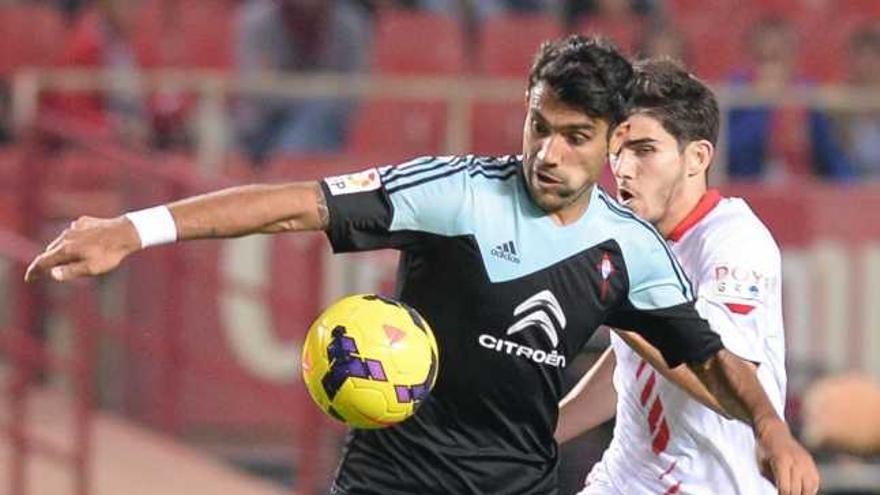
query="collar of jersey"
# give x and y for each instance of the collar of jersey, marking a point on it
(537, 211)
(706, 204)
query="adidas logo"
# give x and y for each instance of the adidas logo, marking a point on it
(506, 251)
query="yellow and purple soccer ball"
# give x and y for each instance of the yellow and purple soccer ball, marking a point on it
(369, 361)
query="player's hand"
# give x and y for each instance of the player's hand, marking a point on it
(90, 246)
(784, 461)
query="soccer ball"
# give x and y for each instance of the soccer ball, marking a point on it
(369, 361)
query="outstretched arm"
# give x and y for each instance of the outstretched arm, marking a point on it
(734, 382)
(238, 211)
(729, 385)
(92, 246)
(682, 376)
(591, 402)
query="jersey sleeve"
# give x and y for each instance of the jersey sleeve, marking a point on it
(739, 294)
(660, 307)
(393, 206)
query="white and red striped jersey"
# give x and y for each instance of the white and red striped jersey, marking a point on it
(665, 442)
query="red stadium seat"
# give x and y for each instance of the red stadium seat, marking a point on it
(717, 49)
(684, 8)
(828, 11)
(314, 166)
(83, 170)
(496, 128)
(623, 32)
(10, 161)
(187, 33)
(788, 9)
(722, 10)
(79, 182)
(824, 47)
(399, 128)
(868, 10)
(31, 36)
(418, 43)
(209, 32)
(509, 43)
(721, 46)
(10, 157)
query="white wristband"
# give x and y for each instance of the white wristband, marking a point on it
(155, 226)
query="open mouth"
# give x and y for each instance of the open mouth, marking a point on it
(624, 195)
(547, 178)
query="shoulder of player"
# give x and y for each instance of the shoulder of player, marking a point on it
(490, 170)
(627, 227)
(734, 231)
(471, 169)
(644, 250)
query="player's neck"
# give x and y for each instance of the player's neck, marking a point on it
(574, 211)
(682, 204)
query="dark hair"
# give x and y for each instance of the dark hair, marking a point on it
(683, 104)
(585, 73)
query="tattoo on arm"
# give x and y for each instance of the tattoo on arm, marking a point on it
(323, 212)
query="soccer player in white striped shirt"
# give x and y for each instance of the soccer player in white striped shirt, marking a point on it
(667, 437)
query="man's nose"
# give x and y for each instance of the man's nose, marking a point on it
(551, 150)
(623, 164)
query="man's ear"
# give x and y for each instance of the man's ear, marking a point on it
(698, 156)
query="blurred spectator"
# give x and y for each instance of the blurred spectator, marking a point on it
(5, 114)
(574, 10)
(298, 36)
(101, 38)
(472, 13)
(70, 8)
(663, 40)
(480, 9)
(779, 142)
(861, 129)
(841, 414)
(622, 21)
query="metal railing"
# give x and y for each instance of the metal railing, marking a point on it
(214, 91)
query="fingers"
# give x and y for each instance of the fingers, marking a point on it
(55, 254)
(796, 476)
(782, 473)
(58, 255)
(812, 488)
(58, 240)
(811, 479)
(805, 475)
(70, 271)
(83, 223)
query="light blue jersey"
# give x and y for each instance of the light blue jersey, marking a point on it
(512, 298)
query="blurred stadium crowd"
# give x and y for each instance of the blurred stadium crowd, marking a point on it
(767, 46)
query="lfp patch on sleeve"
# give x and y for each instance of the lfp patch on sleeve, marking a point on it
(367, 180)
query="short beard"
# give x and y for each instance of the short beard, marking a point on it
(560, 201)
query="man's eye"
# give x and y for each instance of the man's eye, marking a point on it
(578, 139)
(539, 127)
